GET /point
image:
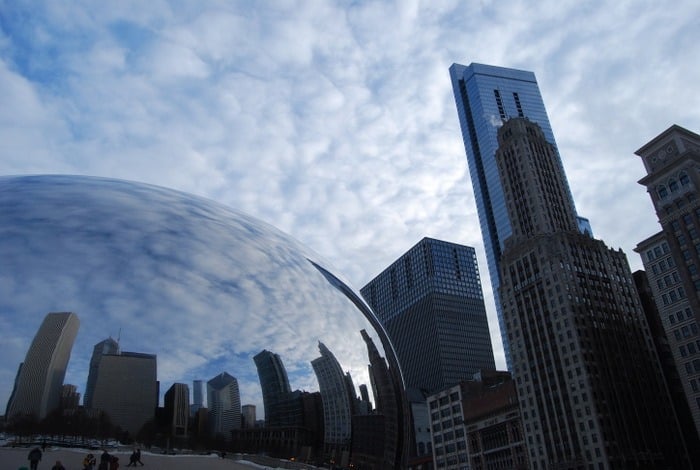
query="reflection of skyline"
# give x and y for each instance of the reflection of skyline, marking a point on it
(213, 285)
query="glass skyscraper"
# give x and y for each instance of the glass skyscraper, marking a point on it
(486, 96)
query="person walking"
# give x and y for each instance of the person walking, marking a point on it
(58, 466)
(34, 458)
(138, 457)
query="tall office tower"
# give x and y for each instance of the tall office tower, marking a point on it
(198, 395)
(485, 97)
(126, 389)
(70, 398)
(107, 346)
(337, 408)
(432, 307)
(177, 408)
(248, 416)
(672, 257)
(583, 358)
(224, 401)
(40, 379)
(275, 386)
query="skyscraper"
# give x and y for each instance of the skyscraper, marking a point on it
(486, 96)
(431, 304)
(107, 346)
(274, 384)
(337, 406)
(590, 384)
(672, 257)
(126, 389)
(224, 401)
(39, 382)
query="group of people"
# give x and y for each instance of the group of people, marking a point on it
(107, 461)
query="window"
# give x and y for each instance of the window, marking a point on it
(662, 191)
(673, 186)
(683, 178)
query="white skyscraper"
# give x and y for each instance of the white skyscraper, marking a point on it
(40, 380)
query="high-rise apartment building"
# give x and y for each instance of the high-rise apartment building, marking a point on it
(672, 257)
(126, 388)
(431, 305)
(590, 384)
(39, 382)
(486, 96)
(248, 416)
(107, 346)
(224, 401)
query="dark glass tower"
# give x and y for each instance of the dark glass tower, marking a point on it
(431, 305)
(485, 97)
(274, 384)
(589, 382)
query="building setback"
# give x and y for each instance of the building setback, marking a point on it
(431, 305)
(581, 351)
(486, 96)
(672, 256)
(39, 382)
(127, 389)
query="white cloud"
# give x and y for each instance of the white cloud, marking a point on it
(337, 123)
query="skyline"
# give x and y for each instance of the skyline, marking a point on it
(337, 124)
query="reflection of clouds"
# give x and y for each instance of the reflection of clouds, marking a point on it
(203, 287)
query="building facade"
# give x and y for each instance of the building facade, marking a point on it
(671, 257)
(486, 96)
(126, 389)
(224, 401)
(107, 346)
(431, 305)
(275, 387)
(39, 381)
(177, 409)
(476, 425)
(582, 355)
(337, 404)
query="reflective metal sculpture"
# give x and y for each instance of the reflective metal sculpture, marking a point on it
(203, 287)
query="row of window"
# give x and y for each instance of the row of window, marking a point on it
(680, 315)
(673, 296)
(686, 331)
(673, 184)
(662, 265)
(689, 349)
(657, 251)
(692, 367)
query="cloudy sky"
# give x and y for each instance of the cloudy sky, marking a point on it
(335, 121)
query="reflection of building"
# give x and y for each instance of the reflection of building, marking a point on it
(127, 390)
(107, 346)
(485, 96)
(337, 407)
(198, 395)
(70, 398)
(248, 416)
(672, 257)
(40, 379)
(224, 402)
(580, 346)
(376, 437)
(476, 424)
(177, 409)
(431, 305)
(274, 384)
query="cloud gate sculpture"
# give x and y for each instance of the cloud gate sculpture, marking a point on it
(204, 288)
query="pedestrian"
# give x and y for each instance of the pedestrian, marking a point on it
(138, 457)
(105, 458)
(89, 462)
(58, 466)
(34, 457)
(114, 463)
